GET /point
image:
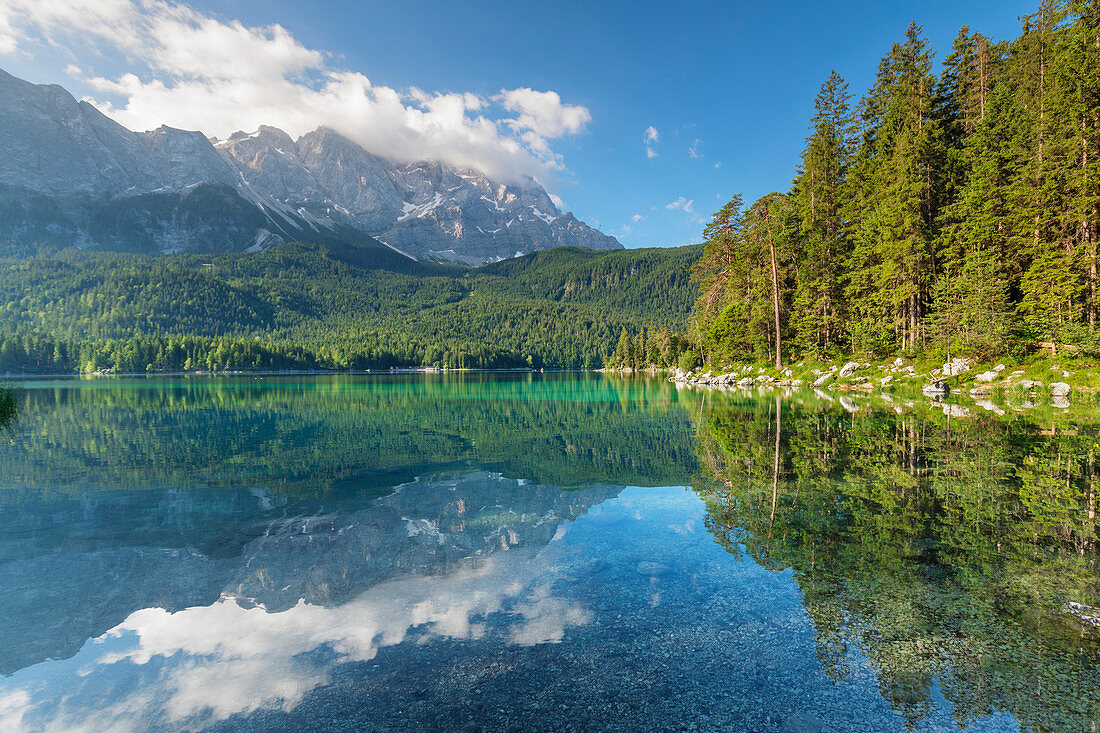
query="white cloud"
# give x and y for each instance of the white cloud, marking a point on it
(693, 150)
(684, 204)
(543, 112)
(193, 71)
(651, 137)
(636, 218)
(718, 164)
(558, 201)
(625, 229)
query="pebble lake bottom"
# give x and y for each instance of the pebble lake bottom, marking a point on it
(530, 552)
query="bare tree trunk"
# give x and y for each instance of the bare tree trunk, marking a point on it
(775, 292)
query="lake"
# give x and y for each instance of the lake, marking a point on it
(541, 552)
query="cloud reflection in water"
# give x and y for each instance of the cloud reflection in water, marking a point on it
(206, 663)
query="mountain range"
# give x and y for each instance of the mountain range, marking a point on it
(71, 176)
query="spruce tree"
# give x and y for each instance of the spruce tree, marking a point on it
(818, 314)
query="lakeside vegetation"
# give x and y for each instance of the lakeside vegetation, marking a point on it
(331, 306)
(938, 215)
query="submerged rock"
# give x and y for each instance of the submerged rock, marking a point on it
(1085, 615)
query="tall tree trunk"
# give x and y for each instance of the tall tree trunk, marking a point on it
(775, 291)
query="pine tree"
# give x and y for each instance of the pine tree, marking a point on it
(818, 315)
(892, 252)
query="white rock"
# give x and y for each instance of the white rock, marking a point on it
(1059, 389)
(849, 369)
(986, 376)
(956, 367)
(822, 379)
(999, 368)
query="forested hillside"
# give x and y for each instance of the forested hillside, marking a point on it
(950, 209)
(331, 306)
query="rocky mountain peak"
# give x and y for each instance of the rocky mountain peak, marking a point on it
(53, 146)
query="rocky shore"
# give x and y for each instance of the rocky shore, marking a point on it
(956, 377)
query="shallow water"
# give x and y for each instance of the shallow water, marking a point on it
(516, 552)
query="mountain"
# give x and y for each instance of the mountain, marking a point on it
(426, 209)
(69, 175)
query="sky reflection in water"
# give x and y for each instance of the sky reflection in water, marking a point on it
(455, 597)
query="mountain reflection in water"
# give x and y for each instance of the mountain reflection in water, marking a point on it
(361, 553)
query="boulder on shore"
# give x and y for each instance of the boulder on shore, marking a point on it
(1059, 389)
(848, 369)
(936, 387)
(956, 367)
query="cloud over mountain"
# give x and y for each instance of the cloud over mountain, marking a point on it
(194, 71)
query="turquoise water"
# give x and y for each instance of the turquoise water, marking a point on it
(538, 552)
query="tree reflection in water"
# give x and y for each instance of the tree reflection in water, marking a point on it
(8, 408)
(943, 549)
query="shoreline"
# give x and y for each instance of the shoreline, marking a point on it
(1058, 380)
(274, 373)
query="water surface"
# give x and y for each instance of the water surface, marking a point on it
(554, 552)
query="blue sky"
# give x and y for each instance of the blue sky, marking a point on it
(727, 87)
